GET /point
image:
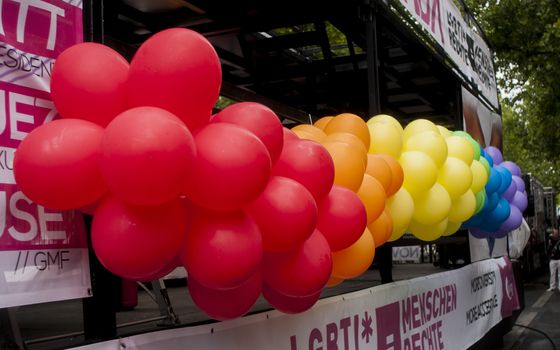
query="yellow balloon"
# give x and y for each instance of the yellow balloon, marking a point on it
(432, 206)
(385, 138)
(418, 126)
(463, 207)
(384, 118)
(397, 233)
(349, 167)
(322, 122)
(429, 142)
(420, 171)
(456, 176)
(479, 175)
(460, 147)
(428, 232)
(444, 131)
(352, 140)
(401, 207)
(348, 122)
(451, 228)
(356, 259)
(309, 132)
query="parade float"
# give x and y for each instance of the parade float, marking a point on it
(320, 158)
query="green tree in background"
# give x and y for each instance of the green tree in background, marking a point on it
(525, 37)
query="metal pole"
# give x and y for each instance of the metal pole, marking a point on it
(372, 60)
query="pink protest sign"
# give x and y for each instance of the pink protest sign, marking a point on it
(43, 252)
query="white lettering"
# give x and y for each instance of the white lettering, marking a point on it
(45, 217)
(15, 116)
(32, 232)
(54, 13)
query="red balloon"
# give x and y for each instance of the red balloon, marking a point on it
(308, 163)
(146, 153)
(178, 70)
(135, 242)
(56, 165)
(167, 269)
(342, 218)
(286, 214)
(288, 304)
(231, 169)
(258, 119)
(289, 135)
(301, 272)
(222, 249)
(226, 304)
(89, 82)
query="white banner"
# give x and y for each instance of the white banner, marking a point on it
(466, 48)
(407, 254)
(43, 253)
(449, 310)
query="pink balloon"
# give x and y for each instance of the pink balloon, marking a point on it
(308, 163)
(288, 304)
(178, 70)
(56, 164)
(89, 82)
(137, 242)
(342, 218)
(222, 249)
(286, 214)
(231, 169)
(226, 304)
(301, 272)
(146, 154)
(258, 119)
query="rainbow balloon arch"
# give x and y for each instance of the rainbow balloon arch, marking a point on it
(244, 204)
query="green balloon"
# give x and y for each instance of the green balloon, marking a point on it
(484, 162)
(462, 134)
(476, 148)
(480, 199)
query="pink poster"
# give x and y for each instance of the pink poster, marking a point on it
(43, 253)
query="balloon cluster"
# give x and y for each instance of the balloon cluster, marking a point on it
(244, 204)
(362, 180)
(450, 181)
(247, 206)
(504, 201)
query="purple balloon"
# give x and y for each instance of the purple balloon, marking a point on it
(510, 191)
(478, 233)
(495, 153)
(513, 168)
(513, 221)
(520, 200)
(519, 182)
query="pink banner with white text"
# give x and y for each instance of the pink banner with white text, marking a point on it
(43, 253)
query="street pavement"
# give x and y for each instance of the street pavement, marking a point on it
(538, 326)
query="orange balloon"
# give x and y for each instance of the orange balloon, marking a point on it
(380, 170)
(348, 122)
(396, 172)
(334, 281)
(349, 166)
(356, 259)
(309, 132)
(352, 140)
(322, 122)
(372, 194)
(381, 228)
